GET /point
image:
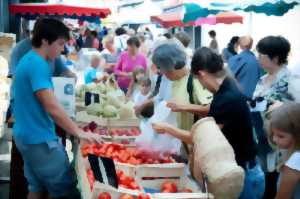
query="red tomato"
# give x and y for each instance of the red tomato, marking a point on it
(186, 190)
(126, 196)
(143, 196)
(104, 195)
(134, 186)
(168, 187)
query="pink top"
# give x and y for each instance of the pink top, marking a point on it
(128, 64)
(96, 43)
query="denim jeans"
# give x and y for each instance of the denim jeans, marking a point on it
(254, 183)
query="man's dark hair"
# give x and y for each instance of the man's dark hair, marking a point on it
(212, 33)
(134, 41)
(50, 30)
(205, 59)
(120, 31)
(184, 38)
(274, 46)
(232, 42)
(94, 33)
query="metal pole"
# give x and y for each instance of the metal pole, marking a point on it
(250, 23)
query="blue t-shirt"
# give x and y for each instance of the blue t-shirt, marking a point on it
(33, 124)
(89, 75)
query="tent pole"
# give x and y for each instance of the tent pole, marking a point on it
(250, 23)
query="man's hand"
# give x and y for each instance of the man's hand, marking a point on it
(162, 127)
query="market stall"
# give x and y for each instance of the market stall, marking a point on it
(32, 10)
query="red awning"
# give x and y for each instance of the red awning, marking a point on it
(228, 18)
(174, 19)
(168, 20)
(57, 9)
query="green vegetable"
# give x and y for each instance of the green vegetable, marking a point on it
(110, 111)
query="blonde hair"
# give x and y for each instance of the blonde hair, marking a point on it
(95, 56)
(286, 118)
(107, 38)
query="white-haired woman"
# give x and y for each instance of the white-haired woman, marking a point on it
(109, 54)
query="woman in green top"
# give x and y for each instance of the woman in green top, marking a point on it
(170, 59)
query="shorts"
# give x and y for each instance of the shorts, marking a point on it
(47, 168)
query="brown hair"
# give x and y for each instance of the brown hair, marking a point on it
(138, 70)
(146, 81)
(287, 118)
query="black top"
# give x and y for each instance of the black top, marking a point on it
(229, 108)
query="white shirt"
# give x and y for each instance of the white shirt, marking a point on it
(294, 163)
(165, 90)
(139, 98)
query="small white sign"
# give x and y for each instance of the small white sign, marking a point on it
(260, 106)
(64, 90)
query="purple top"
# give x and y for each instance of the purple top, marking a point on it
(128, 64)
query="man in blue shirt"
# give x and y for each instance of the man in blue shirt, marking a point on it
(18, 184)
(245, 67)
(46, 165)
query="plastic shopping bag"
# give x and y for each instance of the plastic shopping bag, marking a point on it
(159, 142)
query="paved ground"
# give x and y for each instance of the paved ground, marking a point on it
(5, 146)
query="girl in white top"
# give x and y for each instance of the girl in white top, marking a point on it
(144, 91)
(285, 133)
(133, 88)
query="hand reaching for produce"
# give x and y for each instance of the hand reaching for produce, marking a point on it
(175, 106)
(161, 127)
(89, 137)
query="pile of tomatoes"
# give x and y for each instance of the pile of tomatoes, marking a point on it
(127, 182)
(171, 187)
(106, 195)
(123, 154)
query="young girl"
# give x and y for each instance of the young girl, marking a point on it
(133, 88)
(144, 91)
(285, 133)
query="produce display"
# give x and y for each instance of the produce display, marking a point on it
(124, 131)
(112, 103)
(123, 154)
(139, 170)
(127, 182)
(104, 195)
(93, 127)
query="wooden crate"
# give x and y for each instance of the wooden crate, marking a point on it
(83, 118)
(87, 193)
(116, 122)
(80, 167)
(79, 106)
(115, 193)
(138, 172)
(167, 173)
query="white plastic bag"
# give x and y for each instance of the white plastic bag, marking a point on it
(159, 142)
